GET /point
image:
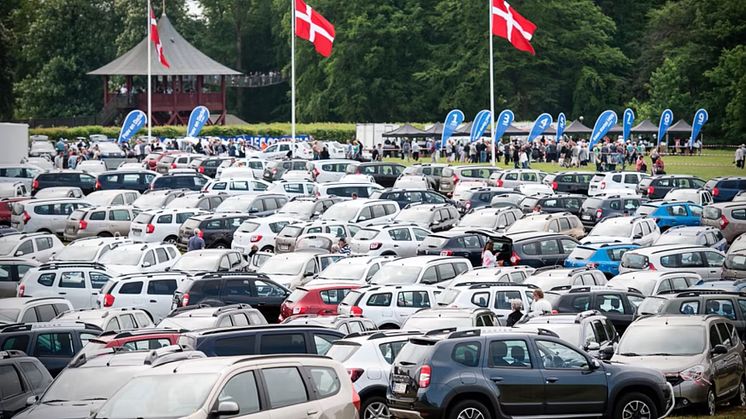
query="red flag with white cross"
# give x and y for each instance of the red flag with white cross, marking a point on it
(313, 27)
(509, 24)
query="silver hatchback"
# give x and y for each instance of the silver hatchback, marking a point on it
(100, 221)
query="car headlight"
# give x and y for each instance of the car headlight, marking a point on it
(697, 373)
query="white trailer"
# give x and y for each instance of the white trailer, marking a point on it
(14, 142)
(369, 135)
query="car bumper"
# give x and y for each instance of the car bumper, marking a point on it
(688, 393)
(413, 410)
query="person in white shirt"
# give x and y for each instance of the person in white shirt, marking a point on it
(488, 256)
(540, 305)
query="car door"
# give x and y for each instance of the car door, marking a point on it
(72, 286)
(402, 242)
(289, 392)
(12, 394)
(573, 384)
(551, 252)
(97, 280)
(516, 375)
(268, 298)
(408, 303)
(719, 362)
(54, 350)
(612, 305)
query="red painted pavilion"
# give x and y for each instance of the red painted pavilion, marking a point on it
(193, 79)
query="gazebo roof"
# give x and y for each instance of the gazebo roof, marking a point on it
(646, 127)
(680, 126)
(577, 127)
(465, 131)
(405, 130)
(182, 56)
(436, 129)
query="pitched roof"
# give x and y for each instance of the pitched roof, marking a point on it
(645, 126)
(680, 126)
(465, 131)
(577, 127)
(436, 129)
(405, 130)
(183, 57)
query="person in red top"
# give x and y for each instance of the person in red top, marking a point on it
(658, 167)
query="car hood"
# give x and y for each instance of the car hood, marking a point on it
(285, 280)
(66, 410)
(664, 364)
(122, 269)
(605, 239)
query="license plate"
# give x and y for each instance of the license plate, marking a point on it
(586, 217)
(136, 231)
(284, 246)
(400, 388)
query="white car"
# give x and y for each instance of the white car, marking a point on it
(150, 292)
(388, 240)
(410, 179)
(388, 306)
(704, 261)
(293, 187)
(233, 186)
(496, 219)
(650, 283)
(328, 170)
(495, 296)
(259, 232)
(42, 163)
(535, 189)
(156, 226)
(79, 283)
(241, 172)
(346, 190)
(629, 229)
(38, 246)
(561, 280)
(146, 257)
(92, 166)
(357, 178)
(130, 165)
(297, 175)
(111, 197)
(421, 270)
(88, 249)
(290, 269)
(256, 165)
(109, 320)
(364, 212)
(516, 177)
(281, 150)
(359, 269)
(336, 150)
(60, 192)
(697, 196)
(467, 185)
(514, 274)
(614, 183)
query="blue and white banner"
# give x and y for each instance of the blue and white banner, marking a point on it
(629, 120)
(664, 124)
(453, 120)
(561, 124)
(256, 141)
(604, 123)
(502, 124)
(480, 124)
(541, 124)
(133, 122)
(700, 118)
(197, 120)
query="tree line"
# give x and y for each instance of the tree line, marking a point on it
(402, 60)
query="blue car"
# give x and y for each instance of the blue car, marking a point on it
(671, 214)
(604, 257)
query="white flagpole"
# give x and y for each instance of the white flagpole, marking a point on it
(292, 74)
(492, 89)
(150, 98)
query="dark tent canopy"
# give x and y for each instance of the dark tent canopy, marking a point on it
(184, 59)
(645, 127)
(680, 127)
(435, 130)
(577, 127)
(465, 131)
(407, 131)
(616, 129)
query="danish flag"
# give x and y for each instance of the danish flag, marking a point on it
(157, 40)
(509, 24)
(313, 27)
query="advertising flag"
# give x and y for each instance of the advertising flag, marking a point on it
(561, 124)
(604, 123)
(197, 120)
(664, 124)
(502, 123)
(629, 120)
(700, 118)
(480, 124)
(540, 125)
(453, 120)
(134, 122)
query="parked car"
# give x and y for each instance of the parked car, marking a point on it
(725, 188)
(287, 237)
(44, 215)
(597, 208)
(590, 331)
(605, 257)
(85, 181)
(292, 269)
(696, 196)
(136, 180)
(364, 212)
(357, 270)
(434, 217)
(31, 310)
(106, 221)
(479, 275)
(495, 219)
(192, 182)
(259, 232)
(671, 214)
(217, 229)
(706, 262)
(563, 223)
(327, 170)
(6, 209)
(210, 260)
(60, 192)
(494, 296)
(428, 270)
(702, 236)
(89, 249)
(209, 166)
(344, 324)
(42, 148)
(730, 218)
(150, 292)
(405, 197)
(388, 306)
(553, 204)
(384, 174)
(36, 246)
(24, 378)
(293, 188)
(112, 197)
(709, 302)
(321, 299)
(12, 270)
(274, 170)
(451, 176)
(151, 200)
(464, 244)
(479, 197)
(346, 190)
(397, 239)
(24, 173)
(658, 186)
(79, 283)
(202, 316)
(532, 249)
(260, 205)
(110, 319)
(624, 229)
(604, 183)
(429, 319)
(573, 182)
(306, 208)
(175, 161)
(162, 225)
(562, 280)
(234, 186)
(618, 306)
(734, 266)
(139, 257)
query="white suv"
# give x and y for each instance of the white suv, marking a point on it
(629, 229)
(705, 261)
(364, 212)
(151, 292)
(605, 183)
(388, 306)
(561, 280)
(237, 186)
(45, 215)
(78, 282)
(388, 240)
(38, 246)
(89, 249)
(110, 319)
(421, 270)
(514, 274)
(495, 296)
(146, 257)
(650, 283)
(161, 225)
(259, 232)
(323, 171)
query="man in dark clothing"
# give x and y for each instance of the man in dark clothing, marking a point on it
(196, 242)
(516, 314)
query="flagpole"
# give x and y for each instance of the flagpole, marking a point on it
(150, 97)
(292, 73)
(492, 88)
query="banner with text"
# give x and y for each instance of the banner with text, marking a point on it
(480, 124)
(700, 119)
(604, 123)
(664, 124)
(629, 120)
(541, 124)
(197, 120)
(561, 124)
(133, 122)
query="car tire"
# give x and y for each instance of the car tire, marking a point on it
(469, 409)
(269, 249)
(171, 240)
(710, 407)
(220, 245)
(375, 408)
(105, 234)
(739, 400)
(635, 405)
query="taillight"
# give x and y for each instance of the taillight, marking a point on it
(355, 373)
(35, 184)
(201, 169)
(599, 213)
(455, 179)
(108, 300)
(316, 173)
(424, 379)
(555, 185)
(500, 183)
(603, 185)
(537, 208)
(255, 238)
(299, 310)
(468, 204)
(375, 246)
(21, 290)
(185, 300)
(356, 311)
(651, 267)
(651, 190)
(723, 222)
(82, 225)
(98, 185)
(446, 252)
(149, 229)
(173, 165)
(355, 399)
(514, 259)
(26, 217)
(592, 265)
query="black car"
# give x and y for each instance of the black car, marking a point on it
(193, 182)
(276, 169)
(225, 288)
(209, 166)
(724, 189)
(479, 198)
(553, 204)
(731, 305)
(657, 187)
(597, 208)
(572, 182)
(468, 245)
(385, 174)
(617, 305)
(262, 340)
(532, 249)
(136, 180)
(465, 374)
(21, 377)
(54, 344)
(70, 178)
(217, 229)
(404, 197)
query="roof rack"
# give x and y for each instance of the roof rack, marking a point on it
(12, 353)
(231, 307)
(171, 353)
(481, 285)
(440, 331)
(23, 327)
(61, 264)
(275, 356)
(191, 307)
(696, 293)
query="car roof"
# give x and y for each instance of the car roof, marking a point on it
(422, 260)
(667, 248)
(675, 320)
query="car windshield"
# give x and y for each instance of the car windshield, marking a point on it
(448, 296)
(248, 227)
(150, 201)
(99, 198)
(121, 256)
(662, 339)
(342, 351)
(143, 218)
(737, 262)
(396, 274)
(528, 224)
(646, 209)
(343, 271)
(187, 323)
(645, 286)
(612, 229)
(191, 262)
(290, 231)
(7, 245)
(77, 253)
(366, 234)
(9, 315)
(340, 212)
(287, 264)
(413, 215)
(478, 219)
(297, 208)
(76, 384)
(159, 396)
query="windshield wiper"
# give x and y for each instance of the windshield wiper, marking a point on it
(55, 401)
(661, 354)
(94, 398)
(629, 354)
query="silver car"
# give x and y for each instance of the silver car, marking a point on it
(44, 215)
(100, 221)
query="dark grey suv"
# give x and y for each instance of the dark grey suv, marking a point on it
(597, 208)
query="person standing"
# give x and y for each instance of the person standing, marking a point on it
(72, 161)
(516, 305)
(488, 255)
(196, 242)
(415, 150)
(405, 148)
(740, 155)
(344, 248)
(523, 158)
(540, 305)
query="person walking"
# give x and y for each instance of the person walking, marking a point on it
(488, 255)
(740, 155)
(516, 305)
(415, 150)
(196, 242)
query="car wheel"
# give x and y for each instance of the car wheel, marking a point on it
(711, 403)
(470, 409)
(740, 398)
(269, 249)
(220, 246)
(375, 408)
(635, 406)
(104, 234)
(170, 240)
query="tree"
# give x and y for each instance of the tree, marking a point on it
(729, 92)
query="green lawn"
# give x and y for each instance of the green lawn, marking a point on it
(711, 163)
(723, 412)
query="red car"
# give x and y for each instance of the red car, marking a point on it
(321, 299)
(133, 340)
(152, 159)
(6, 208)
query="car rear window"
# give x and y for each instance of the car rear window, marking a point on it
(296, 295)
(248, 227)
(646, 209)
(143, 218)
(290, 231)
(342, 351)
(366, 234)
(634, 261)
(593, 203)
(433, 242)
(711, 213)
(415, 352)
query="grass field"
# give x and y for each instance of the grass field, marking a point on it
(711, 163)
(722, 413)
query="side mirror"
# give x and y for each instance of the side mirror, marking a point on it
(31, 400)
(228, 409)
(595, 364)
(19, 253)
(719, 350)
(251, 211)
(607, 352)
(592, 346)
(146, 264)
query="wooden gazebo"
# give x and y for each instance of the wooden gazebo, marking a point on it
(176, 90)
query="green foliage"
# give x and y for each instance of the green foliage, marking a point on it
(729, 90)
